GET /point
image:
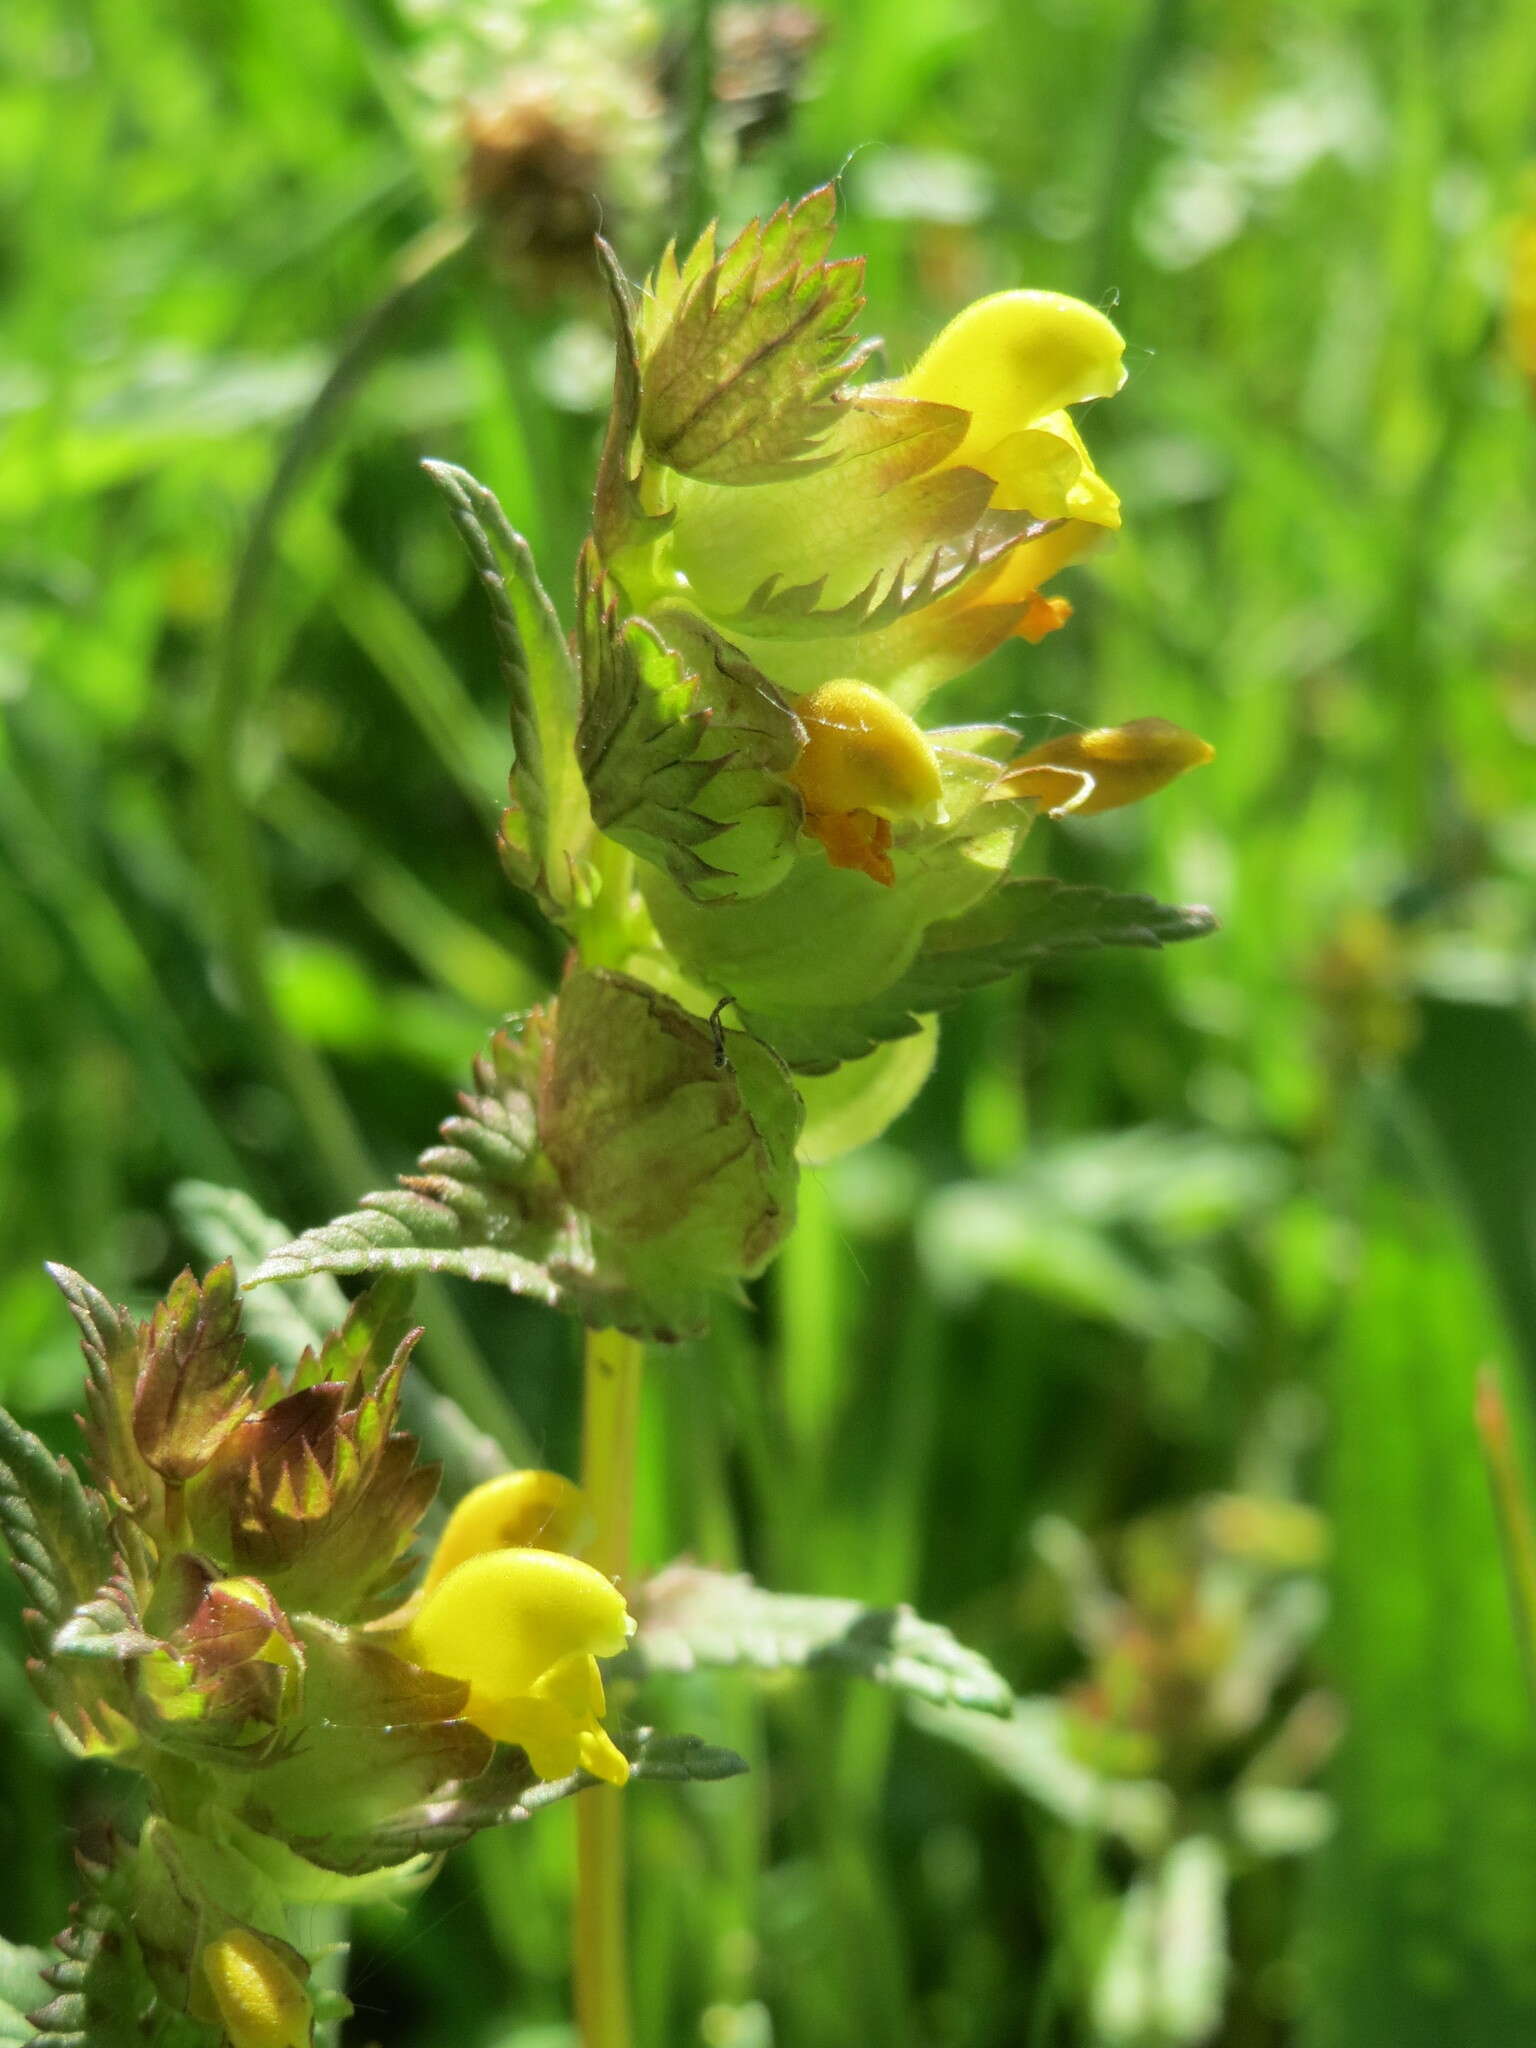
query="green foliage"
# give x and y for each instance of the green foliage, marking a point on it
(59, 1537)
(542, 692)
(56, 1529)
(224, 1223)
(743, 356)
(22, 1988)
(684, 747)
(383, 1736)
(572, 1172)
(676, 1137)
(190, 1392)
(1020, 923)
(1418, 1933)
(101, 1989)
(692, 1619)
(508, 1792)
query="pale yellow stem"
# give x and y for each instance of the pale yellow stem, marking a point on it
(612, 1409)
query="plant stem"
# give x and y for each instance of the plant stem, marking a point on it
(612, 1409)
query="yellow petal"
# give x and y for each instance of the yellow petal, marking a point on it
(500, 1620)
(1011, 359)
(261, 1997)
(1086, 772)
(1024, 568)
(537, 1510)
(559, 1724)
(576, 1686)
(542, 1728)
(862, 754)
(600, 1756)
(1047, 470)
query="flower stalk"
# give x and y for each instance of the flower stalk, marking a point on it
(613, 1372)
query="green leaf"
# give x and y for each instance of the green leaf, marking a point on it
(1419, 1928)
(59, 1535)
(542, 687)
(690, 1618)
(380, 1736)
(620, 519)
(677, 1139)
(162, 1395)
(1473, 1069)
(509, 1792)
(113, 1345)
(1032, 1749)
(57, 1529)
(742, 379)
(486, 1205)
(684, 749)
(1019, 922)
(102, 1994)
(22, 1989)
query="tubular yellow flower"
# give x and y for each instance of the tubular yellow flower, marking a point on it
(261, 1997)
(523, 1629)
(1086, 772)
(926, 469)
(515, 1510)
(1014, 362)
(864, 764)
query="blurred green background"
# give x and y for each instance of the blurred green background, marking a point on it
(1142, 1352)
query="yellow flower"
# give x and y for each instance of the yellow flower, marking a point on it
(1014, 363)
(864, 764)
(523, 1626)
(1086, 772)
(261, 1997)
(932, 471)
(515, 1510)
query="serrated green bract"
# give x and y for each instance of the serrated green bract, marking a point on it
(830, 936)
(684, 748)
(1022, 921)
(743, 356)
(490, 1203)
(60, 1538)
(690, 1618)
(381, 1736)
(224, 1223)
(318, 1493)
(22, 1988)
(508, 1792)
(678, 1140)
(161, 1396)
(620, 517)
(102, 1994)
(550, 825)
